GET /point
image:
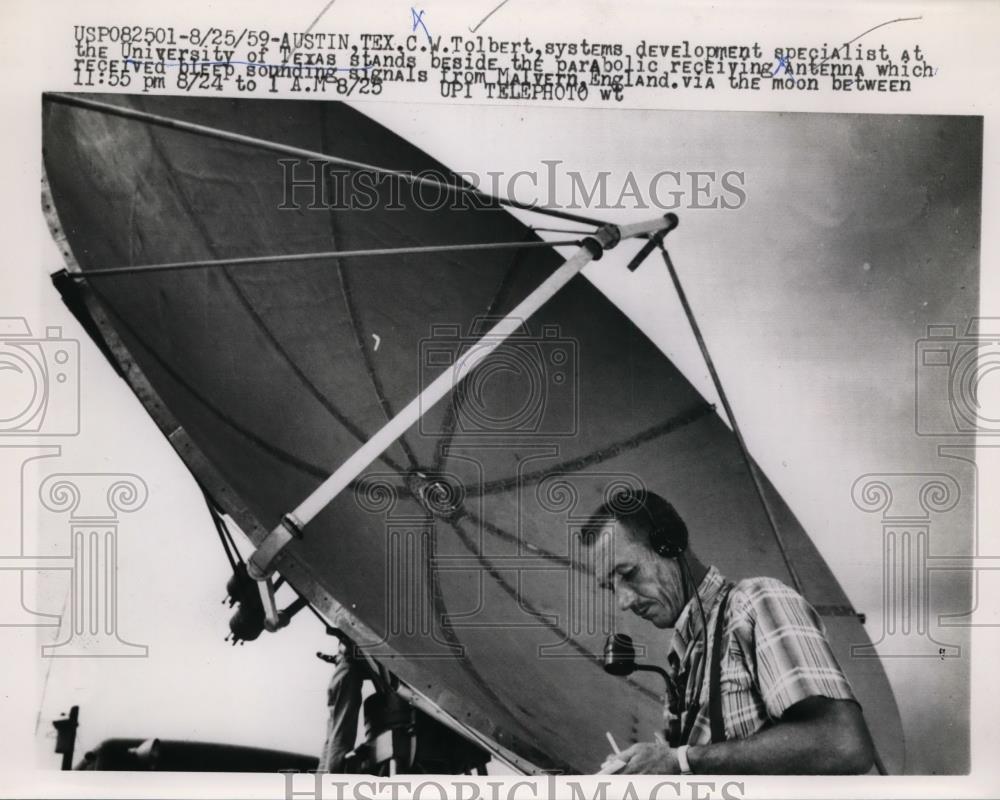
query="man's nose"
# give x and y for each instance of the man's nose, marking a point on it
(626, 597)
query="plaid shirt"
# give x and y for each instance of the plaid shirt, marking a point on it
(775, 654)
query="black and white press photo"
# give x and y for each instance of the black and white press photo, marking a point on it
(361, 429)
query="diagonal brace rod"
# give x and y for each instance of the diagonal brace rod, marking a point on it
(172, 266)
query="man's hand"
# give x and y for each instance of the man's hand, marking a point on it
(645, 758)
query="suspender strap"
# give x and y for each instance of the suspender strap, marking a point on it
(718, 726)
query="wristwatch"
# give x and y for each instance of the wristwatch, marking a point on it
(682, 760)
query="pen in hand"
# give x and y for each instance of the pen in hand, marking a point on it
(612, 765)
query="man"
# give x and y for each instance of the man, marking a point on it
(344, 703)
(773, 700)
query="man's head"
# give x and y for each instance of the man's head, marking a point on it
(638, 541)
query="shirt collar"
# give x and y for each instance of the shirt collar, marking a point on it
(689, 624)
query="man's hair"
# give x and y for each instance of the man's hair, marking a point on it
(643, 512)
